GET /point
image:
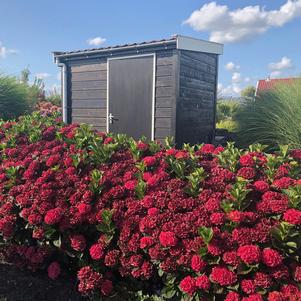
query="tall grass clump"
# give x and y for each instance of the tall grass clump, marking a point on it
(16, 98)
(273, 118)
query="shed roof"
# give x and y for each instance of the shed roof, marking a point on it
(180, 42)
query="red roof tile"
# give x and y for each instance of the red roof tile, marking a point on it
(269, 84)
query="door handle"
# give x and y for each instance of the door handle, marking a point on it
(111, 118)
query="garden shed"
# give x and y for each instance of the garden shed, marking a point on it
(154, 89)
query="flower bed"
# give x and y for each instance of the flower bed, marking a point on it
(137, 220)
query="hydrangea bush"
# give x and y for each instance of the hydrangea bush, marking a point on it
(144, 222)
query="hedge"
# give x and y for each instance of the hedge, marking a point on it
(138, 221)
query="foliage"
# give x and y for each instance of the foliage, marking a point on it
(136, 221)
(225, 112)
(54, 97)
(248, 92)
(227, 124)
(274, 118)
(16, 98)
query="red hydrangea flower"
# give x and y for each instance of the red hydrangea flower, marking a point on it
(182, 155)
(142, 146)
(78, 242)
(250, 254)
(131, 185)
(54, 270)
(188, 285)
(207, 148)
(275, 296)
(284, 183)
(236, 216)
(290, 290)
(168, 239)
(292, 216)
(53, 216)
(223, 276)
(231, 258)
(96, 251)
(149, 161)
(108, 140)
(106, 287)
(152, 211)
(296, 154)
(89, 280)
(197, 263)
(217, 218)
(297, 274)
(202, 282)
(254, 297)
(261, 186)
(271, 257)
(246, 173)
(84, 208)
(146, 242)
(232, 296)
(262, 280)
(112, 258)
(246, 160)
(248, 286)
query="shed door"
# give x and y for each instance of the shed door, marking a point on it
(131, 96)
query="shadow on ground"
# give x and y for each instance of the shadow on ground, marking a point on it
(16, 285)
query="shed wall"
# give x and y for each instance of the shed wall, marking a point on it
(197, 97)
(88, 92)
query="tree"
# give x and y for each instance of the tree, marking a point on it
(248, 92)
(25, 76)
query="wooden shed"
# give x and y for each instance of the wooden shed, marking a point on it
(154, 89)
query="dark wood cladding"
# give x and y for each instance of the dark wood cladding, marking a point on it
(89, 93)
(165, 97)
(197, 94)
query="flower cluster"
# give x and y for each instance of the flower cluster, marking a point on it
(129, 216)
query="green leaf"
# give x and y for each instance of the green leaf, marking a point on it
(58, 242)
(50, 232)
(168, 292)
(206, 234)
(140, 189)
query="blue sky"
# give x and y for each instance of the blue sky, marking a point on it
(261, 38)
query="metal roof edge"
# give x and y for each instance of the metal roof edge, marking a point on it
(59, 54)
(193, 44)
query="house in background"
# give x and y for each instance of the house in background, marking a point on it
(265, 85)
(153, 89)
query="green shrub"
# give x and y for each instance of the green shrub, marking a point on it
(16, 98)
(225, 111)
(227, 124)
(54, 97)
(273, 118)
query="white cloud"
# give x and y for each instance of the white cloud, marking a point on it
(284, 64)
(230, 90)
(231, 66)
(230, 26)
(275, 73)
(247, 79)
(96, 41)
(236, 77)
(42, 75)
(4, 51)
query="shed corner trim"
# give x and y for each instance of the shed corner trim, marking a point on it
(188, 43)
